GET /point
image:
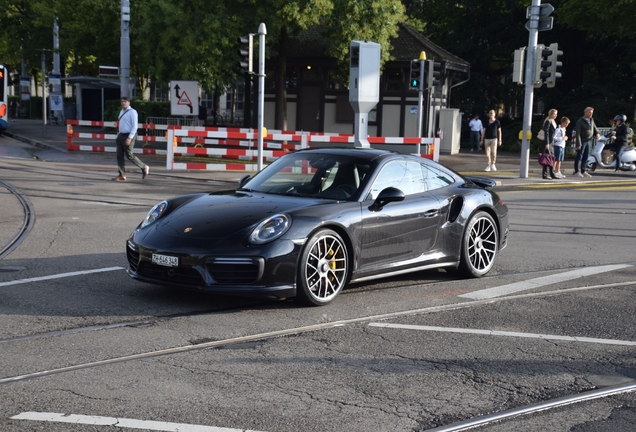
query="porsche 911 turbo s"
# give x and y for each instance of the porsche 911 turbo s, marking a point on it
(315, 220)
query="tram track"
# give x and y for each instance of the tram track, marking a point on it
(583, 395)
(206, 344)
(27, 222)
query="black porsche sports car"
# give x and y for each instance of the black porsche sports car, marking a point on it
(317, 219)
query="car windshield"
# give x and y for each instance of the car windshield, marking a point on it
(329, 176)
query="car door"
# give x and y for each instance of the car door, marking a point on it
(400, 233)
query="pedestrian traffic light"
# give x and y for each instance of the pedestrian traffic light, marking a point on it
(245, 52)
(541, 64)
(415, 75)
(434, 73)
(518, 66)
(553, 59)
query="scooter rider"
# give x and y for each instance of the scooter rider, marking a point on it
(620, 140)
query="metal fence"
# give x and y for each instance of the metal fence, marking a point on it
(161, 125)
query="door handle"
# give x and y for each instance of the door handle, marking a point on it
(431, 213)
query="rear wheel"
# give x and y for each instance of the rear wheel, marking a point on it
(479, 245)
(324, 268)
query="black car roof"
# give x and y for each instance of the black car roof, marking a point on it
(362, 153)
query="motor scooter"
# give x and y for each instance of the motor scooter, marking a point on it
(600, 158)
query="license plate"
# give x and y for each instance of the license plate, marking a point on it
(165, 260)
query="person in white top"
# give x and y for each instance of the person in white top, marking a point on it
(125, 141)
(476, 131)
(560, 138)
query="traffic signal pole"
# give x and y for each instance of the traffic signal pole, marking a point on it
(420, 98)
(533, 36)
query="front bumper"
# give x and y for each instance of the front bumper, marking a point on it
(271, 276)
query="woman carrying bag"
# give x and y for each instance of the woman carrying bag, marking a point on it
(549, 126)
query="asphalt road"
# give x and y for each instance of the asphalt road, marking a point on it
(79, 338)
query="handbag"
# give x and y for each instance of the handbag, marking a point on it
(541, 135)
(546, 159)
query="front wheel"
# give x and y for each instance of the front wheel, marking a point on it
(591, 167)
(324, 268)
(479, 245)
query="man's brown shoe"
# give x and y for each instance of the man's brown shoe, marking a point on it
(145, 173)
(119, 178)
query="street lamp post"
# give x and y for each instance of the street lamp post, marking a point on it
(262, 31)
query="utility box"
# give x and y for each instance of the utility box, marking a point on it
(364, 75)
(364, 85)
(450, 121)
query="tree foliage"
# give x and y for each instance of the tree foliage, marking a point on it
(196, 40)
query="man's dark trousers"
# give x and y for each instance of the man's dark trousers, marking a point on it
(581, 157)
(123, 149)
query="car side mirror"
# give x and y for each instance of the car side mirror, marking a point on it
(244, 180)
(387, 195)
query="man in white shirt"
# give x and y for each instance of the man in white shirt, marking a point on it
(476, 131)
(125, 141)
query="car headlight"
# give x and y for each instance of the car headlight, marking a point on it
(155, 213)
(270, 229)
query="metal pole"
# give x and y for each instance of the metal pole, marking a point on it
(43, 94)
(262, 31)
(420, 100)
(527, 104)
(57, 88)
(125, 49)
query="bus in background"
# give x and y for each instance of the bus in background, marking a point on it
(4, 98)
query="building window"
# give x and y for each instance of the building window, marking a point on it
(394, 80)
(334, 83)
(291, 81)
(312, 74)
(161, 91)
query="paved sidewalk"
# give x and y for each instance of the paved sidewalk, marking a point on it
(51, 145)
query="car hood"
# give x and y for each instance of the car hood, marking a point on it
(216, 216)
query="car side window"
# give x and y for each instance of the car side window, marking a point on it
(435, 178)
(404, 175)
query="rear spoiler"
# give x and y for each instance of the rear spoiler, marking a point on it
(483, 182)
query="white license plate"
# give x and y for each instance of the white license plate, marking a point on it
(165, 260)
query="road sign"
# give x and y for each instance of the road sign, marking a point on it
(541, 10)
(184, 98)
(56, 102)
(543, 23)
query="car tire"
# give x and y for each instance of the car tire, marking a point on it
(480, 244)
(324, 268)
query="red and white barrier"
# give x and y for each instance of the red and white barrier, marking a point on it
(238, 144)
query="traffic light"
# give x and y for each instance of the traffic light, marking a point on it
(554, 64)
(541, 64)
(434, 73)
(518, 67)
(245, 52)
(415, 75)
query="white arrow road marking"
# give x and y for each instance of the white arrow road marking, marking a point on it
(121, 422)
(504, 333)
(539, 282)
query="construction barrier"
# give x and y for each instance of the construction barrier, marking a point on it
(236, 144)
(304, 140)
